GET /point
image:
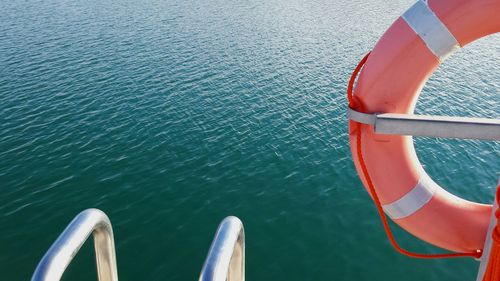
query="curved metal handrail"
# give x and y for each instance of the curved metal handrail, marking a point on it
(226, 257)
(60, 254)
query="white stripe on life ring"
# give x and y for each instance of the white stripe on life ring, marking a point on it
(412, 201)
(431, 30)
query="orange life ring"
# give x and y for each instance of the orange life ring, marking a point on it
(390, 82)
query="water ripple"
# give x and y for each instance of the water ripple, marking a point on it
(170, 115)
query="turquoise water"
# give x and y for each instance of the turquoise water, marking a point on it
(170, 115)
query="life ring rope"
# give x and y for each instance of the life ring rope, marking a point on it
(350, 97)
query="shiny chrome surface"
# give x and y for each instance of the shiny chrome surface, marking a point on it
(60, 254)
(226, 257)
(430, 126)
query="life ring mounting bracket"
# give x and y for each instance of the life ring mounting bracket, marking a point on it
(429, 125)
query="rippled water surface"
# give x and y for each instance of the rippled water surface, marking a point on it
(170, 115)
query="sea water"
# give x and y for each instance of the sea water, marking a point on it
(171, 114)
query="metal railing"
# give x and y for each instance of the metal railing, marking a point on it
(226, 257)
(64, 249)
(225, 260)
(430, 126)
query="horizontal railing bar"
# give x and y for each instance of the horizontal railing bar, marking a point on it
(438, 126)
(430, 126)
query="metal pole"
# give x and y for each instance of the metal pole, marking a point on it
(430, 126)
(226, 257)
(60, 254)
(438, 126)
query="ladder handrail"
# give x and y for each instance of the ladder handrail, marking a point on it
(60, 254)
(226, 257)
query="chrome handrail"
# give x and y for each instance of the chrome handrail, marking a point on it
(64, 249)
(226, 257)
